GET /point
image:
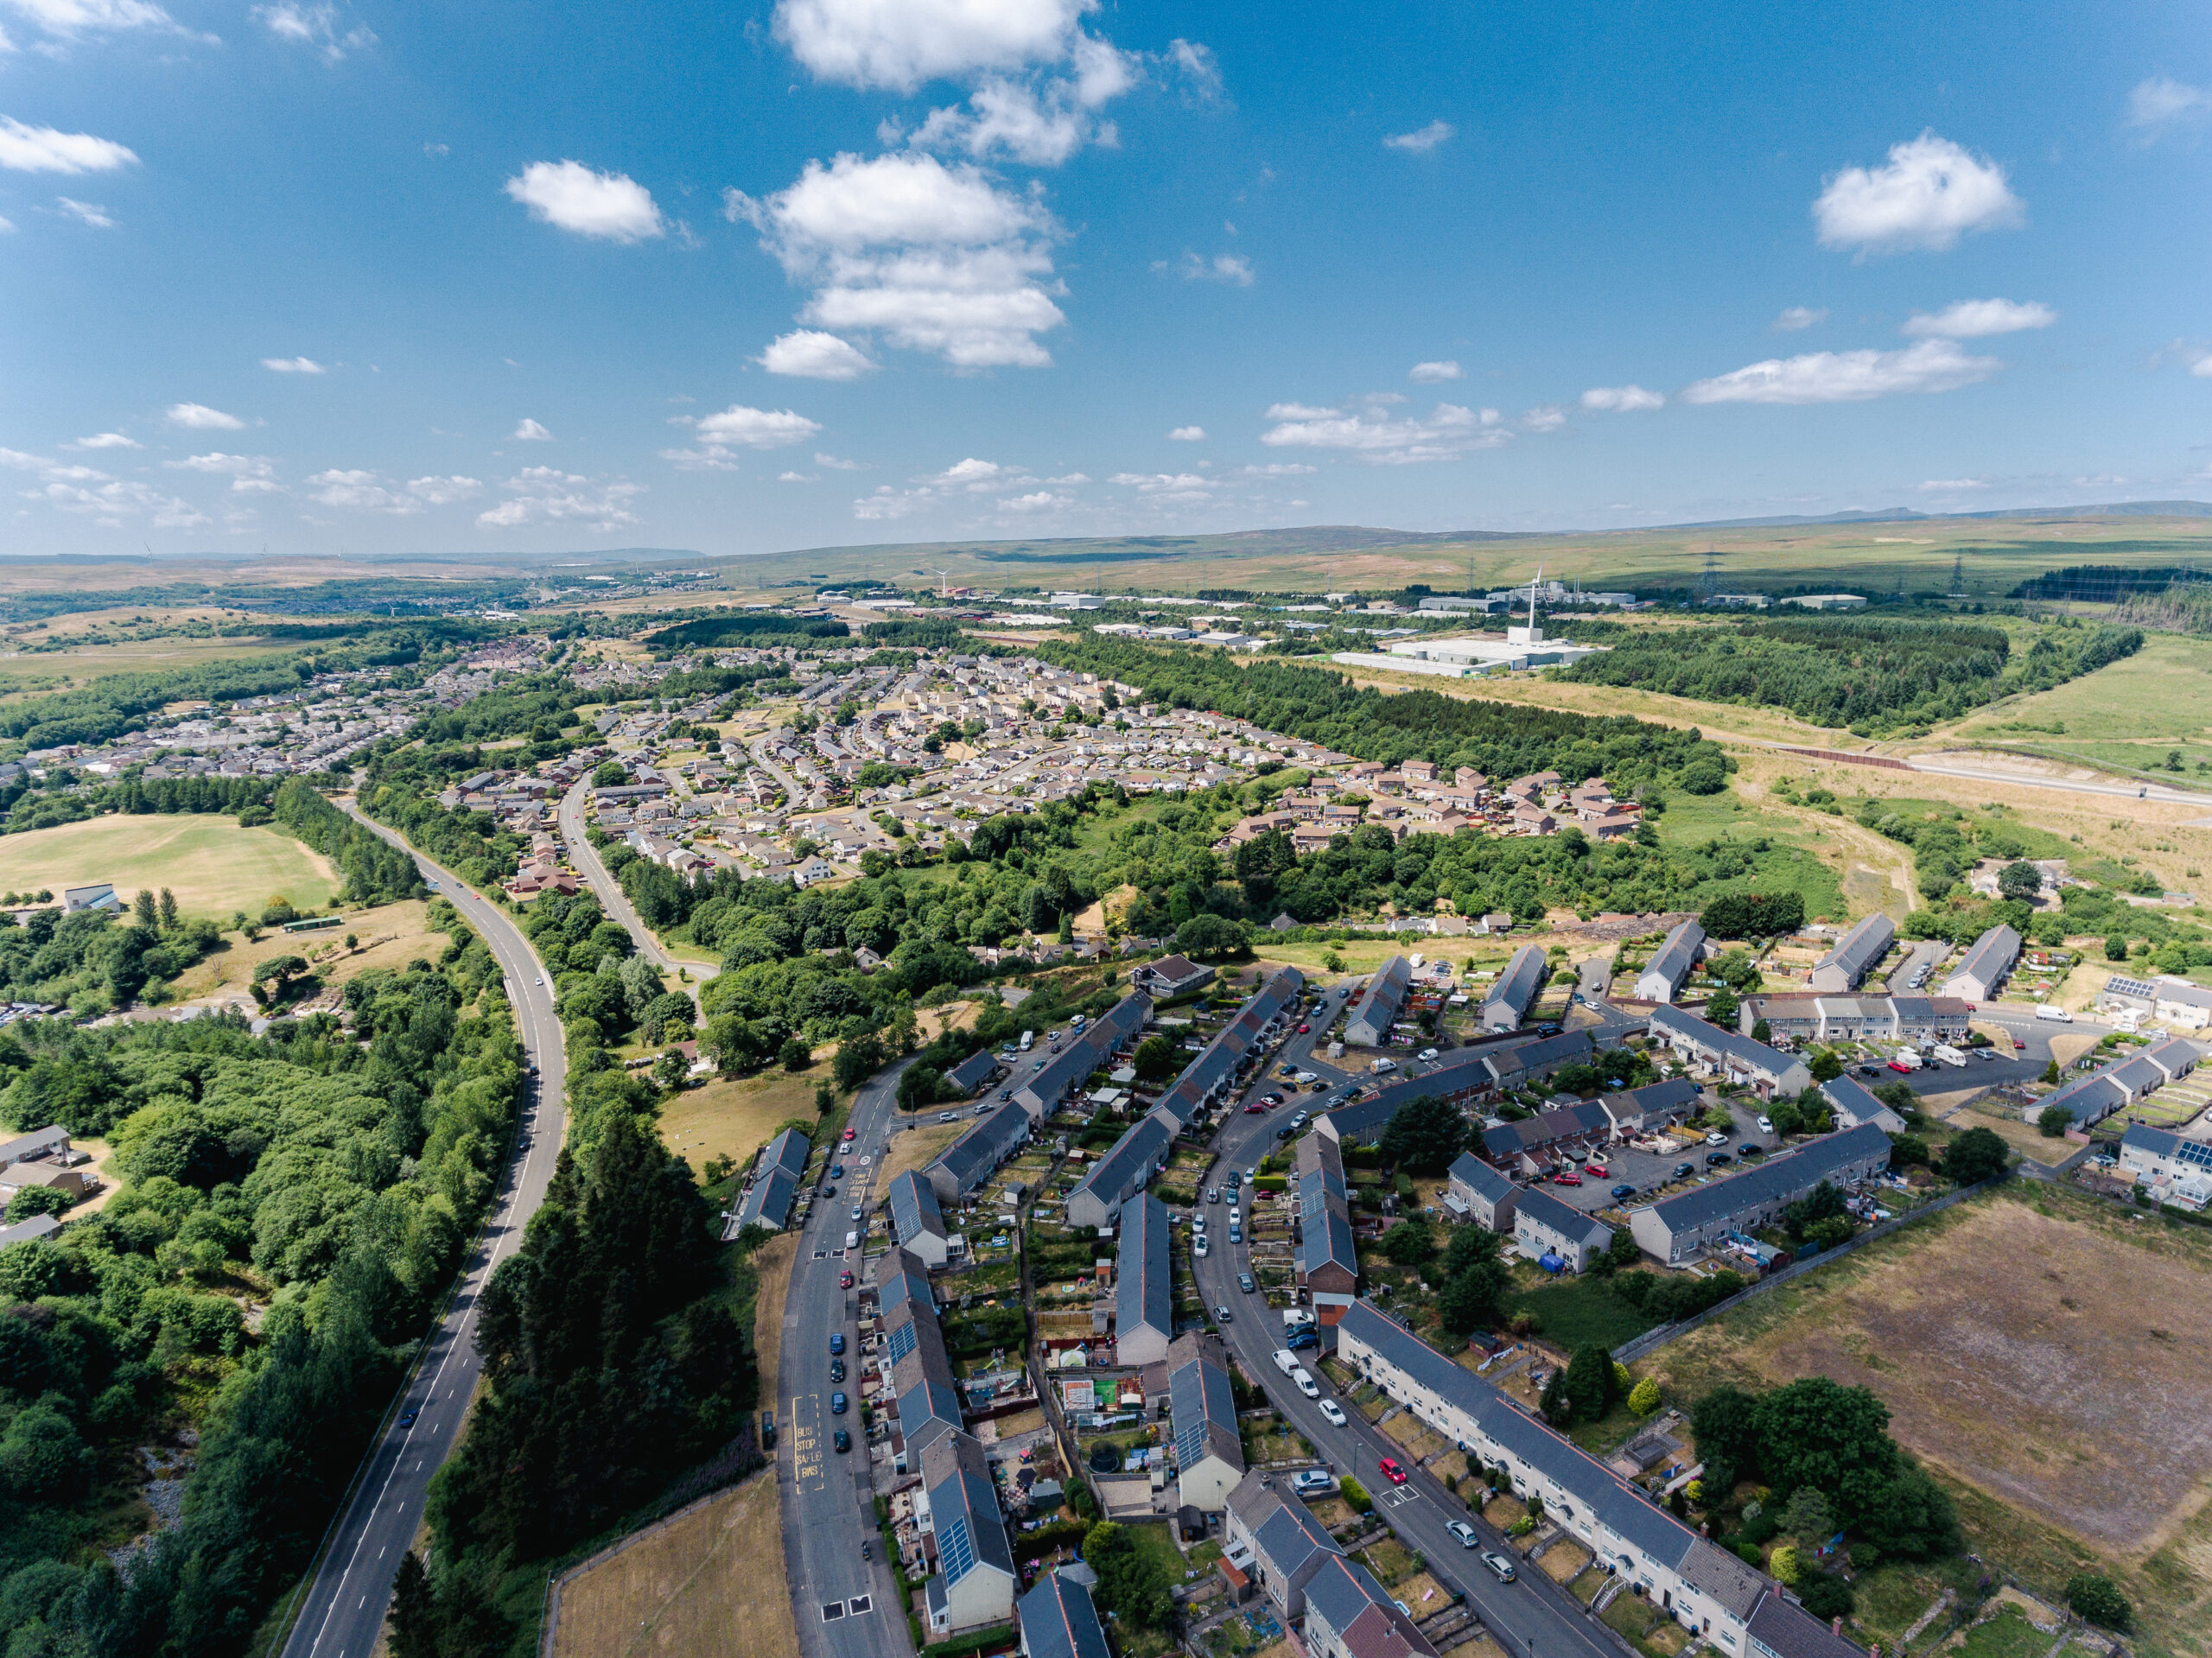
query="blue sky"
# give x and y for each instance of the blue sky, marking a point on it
(377, 278)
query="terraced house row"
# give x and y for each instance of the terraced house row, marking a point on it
(1710, 1591)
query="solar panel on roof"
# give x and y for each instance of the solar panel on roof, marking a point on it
(955, 1549)
(902, 1342)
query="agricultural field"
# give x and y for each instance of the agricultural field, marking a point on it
(708, 1585)
(2043, 1352)
(212, 866)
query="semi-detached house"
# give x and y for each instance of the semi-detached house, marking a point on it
(1702, 1586)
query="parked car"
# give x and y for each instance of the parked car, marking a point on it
(1391, 1472)
(1213, 1194)
(1255, 1109)
(837, 1369)
(1333, 1412)
(836, 1404)
(1221, 1315)
(944, 1116)
(1199, 1249)
(1464, 1532)
(837, 1341)
(837, 1169)
(1309, 1482)
(1244, 1282)
(1236, 1214)
(1425, 1053)
(1623, 1192)
(1500, 1567)
(845, 1279)
(1596, 1167)
(1716, 1138)
(1766, 1123)
(1683, 1170)
(1566, 1178)
(1305, 1030)
(1272, 1098)
(840, 1441)
(856, 1212)
(852, 1134)
(1237, 1235)
(1714, 1159)
(1750, 1148)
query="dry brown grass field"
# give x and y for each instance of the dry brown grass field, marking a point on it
(390, 936)
(735, 1117)
(2043, 1350)
(708, 1584)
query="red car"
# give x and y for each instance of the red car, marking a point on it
(1304, 1029)
(1901, 1067)
(845, 1279)
(1391, 1472)
(1255, 1109)
(852, 1134)
(1594, 1168)
(1566, 1178)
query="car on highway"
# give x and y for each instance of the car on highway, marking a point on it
(1623, 1192)
(836, 1404)
(1391, 1472)
(845, 1279)
(1565, 1177)
(1766, 1123)
(1221, 1315)
(841, 1440)
(837, 1341)
(1500, 1568)
(1464, 1532)
(1244, 1282)
(1683, 1170)
(1309, 1482)
(837, 1369)
(1333, 1412)
(407, 1417)
(1716, 1160)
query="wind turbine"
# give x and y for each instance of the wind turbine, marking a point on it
(943, 584)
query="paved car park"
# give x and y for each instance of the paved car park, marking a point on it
(1652, 1174)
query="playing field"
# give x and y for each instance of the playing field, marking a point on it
(710, 1584)
(2044, 1349)
(212, 866)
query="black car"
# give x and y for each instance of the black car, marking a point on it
(1714, 1159)
(1750, 1148)
(841, 1440)
(837, 1369)
(837, 1341)
(1683, 1170)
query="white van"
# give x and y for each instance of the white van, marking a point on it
(1304, 1378)
(1285, 1360)
(852, 1240)
(2059, 1014)
(1029, 1040)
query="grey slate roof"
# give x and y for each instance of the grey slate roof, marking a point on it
(1565, 1219)
(1203, 1408)
(1778, 1179)
(1470, 1171)
(1460, 1071)
(1546, 1128)
(1378, 1006)
(37, 1143)
(1517, 985)
(1058, 1620)
(1068, 1069)
(971, 1073)
(914, 1212)
(776, 1181)
(1507, 1063)
(1670, 1022)
(1853, 1103)
(1676, 1094)
(38, 1226)
(1217, 1065)
(985, 1146)
(1857, 951)
(1788, 1630)
(1674, 959)
(1129, 1161)
(964, 1510)
(1988, 959)
(1144, 1292)
(2139, 1137)
(1325, 1236)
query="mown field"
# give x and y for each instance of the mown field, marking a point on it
(212, 866)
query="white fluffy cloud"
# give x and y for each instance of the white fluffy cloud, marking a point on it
(1180, 488)
(71, 486)
(1544, 417)
(444, 492)
(1622, 399)
(68, 19)
(1846, 376)
(572, 197)
(199, 418)
(1928, 194)
(292, 365)
(809, 354)
(1977, 318)
(318, 28)
(742, 427)
(369, 492)
(250, 474)
(1423, 139)
(104, 440)
(1041, 500)
(1374, 434)
(547, 495)
(85, 212)
(47, 150)
(1232, 267)
(1435, 373)
(1800, 317)
(2161, 102)
(935, 257)
(1951, 485)
(899, 44)
(1187, 435)
(529, 431)
(1040, 125)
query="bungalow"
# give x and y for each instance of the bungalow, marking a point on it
(1735, 1059)
(2092, 1099)
(1170, 976)
(1854, 956)
(1675, 1229)
(30, 1231)
(1208, 1453)
(1707, 1590)
(1144, 1291)
(1516, 991)
(1543, 1226)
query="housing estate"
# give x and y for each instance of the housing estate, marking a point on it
(1326, 1260)
(1380, 1004)
(1675, 1229)
(1059, 1620)
(986, 1143)
(1663, 975)
(2091, 1099)
(1732, 1056)
(916, 1221)
(1515, 992)
(2177, 1170)
(1805, 1016)
(1144, 1291)
(1989, 960)
(1202, 1406)
(1704, 1587)
(775, 1182)
(1544, 1227)
(1855, 955)
(1058, 1075)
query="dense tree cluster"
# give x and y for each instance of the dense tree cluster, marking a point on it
(758, 628)
(332, 1172)
(1867, 672)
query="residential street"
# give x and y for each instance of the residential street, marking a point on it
(342, 1613)
(608, 891)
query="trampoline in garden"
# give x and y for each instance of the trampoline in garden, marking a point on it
(1105, 1458)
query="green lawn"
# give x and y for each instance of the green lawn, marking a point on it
(2008, 1635)
(1156, 1541)
(1573, 1311)
(212, 866)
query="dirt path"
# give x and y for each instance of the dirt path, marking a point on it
(774, 1260)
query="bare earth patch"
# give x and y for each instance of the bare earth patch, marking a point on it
(710, 1584)
(917, 1148)
(2052, 1363)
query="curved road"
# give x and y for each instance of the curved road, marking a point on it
(343, 1612)
(612, 898)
